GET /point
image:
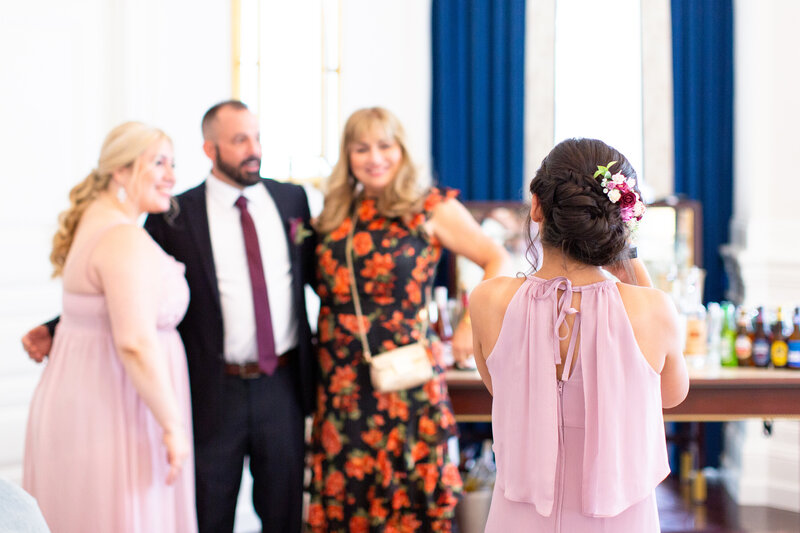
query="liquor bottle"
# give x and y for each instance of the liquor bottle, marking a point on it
(443, 327)
(743, 344)
(794, 342)
(760, 341)
(779, 349)
(715, 316)
(696, 347)
(727, 337)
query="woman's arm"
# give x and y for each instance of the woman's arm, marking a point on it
(128, 268)
(480, 300)
(458, 231)
(674, 375)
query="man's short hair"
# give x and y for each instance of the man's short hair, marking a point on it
(212, 112)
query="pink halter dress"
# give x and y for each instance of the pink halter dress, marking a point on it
(94, 457)
(584, 453)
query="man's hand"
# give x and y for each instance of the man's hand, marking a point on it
(37, 342)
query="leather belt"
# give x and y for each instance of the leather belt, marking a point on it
(251, 370)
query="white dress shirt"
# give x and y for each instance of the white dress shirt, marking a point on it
(233, 275)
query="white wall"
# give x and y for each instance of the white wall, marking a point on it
(71, 71)
(590, 101)
(766, 222)
(386, 61)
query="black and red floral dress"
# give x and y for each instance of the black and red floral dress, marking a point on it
(380, 461)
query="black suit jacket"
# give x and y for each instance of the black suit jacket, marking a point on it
(186, 237)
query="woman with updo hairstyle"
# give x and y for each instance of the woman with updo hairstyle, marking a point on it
(580, 363)
(108, 446)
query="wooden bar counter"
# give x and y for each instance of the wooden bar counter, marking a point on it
(714, 395)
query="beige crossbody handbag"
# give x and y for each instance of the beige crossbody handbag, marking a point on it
(399, 369)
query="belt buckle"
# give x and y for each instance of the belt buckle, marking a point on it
(249, 371)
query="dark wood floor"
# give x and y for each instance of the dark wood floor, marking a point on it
(720, 514)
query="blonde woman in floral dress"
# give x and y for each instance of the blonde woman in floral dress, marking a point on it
(380, 460)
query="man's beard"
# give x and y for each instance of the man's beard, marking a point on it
(239, 174)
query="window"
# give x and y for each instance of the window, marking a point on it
(286, 68)
(598, 74)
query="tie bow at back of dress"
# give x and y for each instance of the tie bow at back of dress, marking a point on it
(562, 306)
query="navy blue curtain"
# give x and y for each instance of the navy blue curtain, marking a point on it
(702, 62)
(702, 55)
(477, 109)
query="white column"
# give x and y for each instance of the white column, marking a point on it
(540, 28)
(765, 229)
(657, 127)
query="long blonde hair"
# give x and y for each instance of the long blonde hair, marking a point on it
(403, 196)
(121, 148)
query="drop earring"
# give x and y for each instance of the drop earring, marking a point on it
(122, 194)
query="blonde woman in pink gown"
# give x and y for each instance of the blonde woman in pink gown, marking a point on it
(108, 447)
(580, 365)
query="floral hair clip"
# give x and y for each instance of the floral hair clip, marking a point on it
(620, 189)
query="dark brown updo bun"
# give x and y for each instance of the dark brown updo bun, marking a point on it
(579, 219)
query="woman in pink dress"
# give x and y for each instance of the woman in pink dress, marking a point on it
(580, 365)
(108, 447)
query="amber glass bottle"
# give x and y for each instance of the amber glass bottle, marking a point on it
(778, 349)
(743, 344)
(794, 342)
(442, 326)
(760, 341)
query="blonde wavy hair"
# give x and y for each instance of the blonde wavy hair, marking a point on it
(404, 195)
(122, 147)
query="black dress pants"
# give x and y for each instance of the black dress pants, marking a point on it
(264, 421)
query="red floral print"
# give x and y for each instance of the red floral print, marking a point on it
(372, 451)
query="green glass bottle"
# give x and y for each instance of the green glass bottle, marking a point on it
(727, 340)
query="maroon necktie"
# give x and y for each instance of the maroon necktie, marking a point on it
(265, 339)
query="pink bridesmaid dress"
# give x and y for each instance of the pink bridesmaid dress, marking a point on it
(94, 457)
(584, 453)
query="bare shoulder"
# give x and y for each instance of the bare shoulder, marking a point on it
(125, 243)
(647, 306)
(449, 211)
(497, 289)
(650, 299)
(492, 296)
(488, 305)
